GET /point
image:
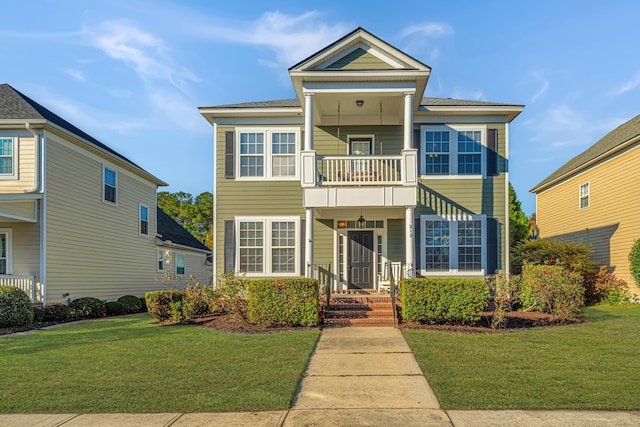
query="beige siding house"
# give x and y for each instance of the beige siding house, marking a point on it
(360, 173)
(593, 199)
(76, 218)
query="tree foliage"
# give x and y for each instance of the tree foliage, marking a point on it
(518, 221)
(194, 214)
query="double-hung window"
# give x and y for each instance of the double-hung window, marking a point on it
(584, 195)
(5, 251)
(110, 179)
(453, 244)
(267, 245)
(180, 264)
(160, 262)
(268, 153)
(456, 150)
(8, 164)
(144, 220)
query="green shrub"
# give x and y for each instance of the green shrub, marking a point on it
(574, 256)
(283, 302)
(607, 287)
(451, 301)
(228, 295)
(15, 307)
(194, 302)
(634, 261)
(115, 308)
(88, 307)
(143, 305)
(131, 303)
(159, 302)
(38, 314)
(552, 289)
(57, 312)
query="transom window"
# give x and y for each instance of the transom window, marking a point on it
(452, 150)
(110, 185)
(144, 220)
(7, 158)
(584, 195)
(268, 153)
(453, 245)
(268, 245)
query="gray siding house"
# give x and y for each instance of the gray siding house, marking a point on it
(361, 175)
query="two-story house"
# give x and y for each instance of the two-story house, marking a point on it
(586, 200)
(359, 172)
(76, 218)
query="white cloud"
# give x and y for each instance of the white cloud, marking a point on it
(76, 74)
(177, 110)
(291, 38)
(430, 29)
(543, 88)
(120, 93)
(631, 84)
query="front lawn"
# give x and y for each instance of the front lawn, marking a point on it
(127, 364)
(592, 366)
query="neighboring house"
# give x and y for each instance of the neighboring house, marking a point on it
(360, 171)
(180, 255)
(76, 218)
(594, 198)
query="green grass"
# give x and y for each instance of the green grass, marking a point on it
(592, 366)
(127, 364)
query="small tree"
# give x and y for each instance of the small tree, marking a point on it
(518, 221)
(634, 261)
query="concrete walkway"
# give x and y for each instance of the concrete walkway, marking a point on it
(356, 377)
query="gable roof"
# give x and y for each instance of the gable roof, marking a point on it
(15, 106)
(171, 231)
(611, 143)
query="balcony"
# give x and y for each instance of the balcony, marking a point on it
(348, 181)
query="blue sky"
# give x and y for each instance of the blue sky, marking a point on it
(132, 73)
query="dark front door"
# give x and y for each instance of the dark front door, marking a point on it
(360, 260)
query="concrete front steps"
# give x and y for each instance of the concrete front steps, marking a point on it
(360, 310)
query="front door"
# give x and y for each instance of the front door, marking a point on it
(360, 260)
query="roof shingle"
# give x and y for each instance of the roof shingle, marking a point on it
(169, 230)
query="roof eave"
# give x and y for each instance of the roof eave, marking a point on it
(510, 111)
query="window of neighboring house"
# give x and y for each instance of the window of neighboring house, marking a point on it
(180, 265)
(8, 167)
(453, 245)
(160, 265)
(110, 185)
(144, 220)
(267, 245)
(584, 195)
(5, 251)
(453, 150)
(267, 153)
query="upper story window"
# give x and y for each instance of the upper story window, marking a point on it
(110, 179)
(267, 153)
(453, 150)
(144, 220)
(584, 195)
(8, 166)
(453, 245)
(180, 264)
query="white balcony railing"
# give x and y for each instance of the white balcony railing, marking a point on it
(359, 170)
(26, 283)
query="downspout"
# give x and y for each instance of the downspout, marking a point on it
(37, 163)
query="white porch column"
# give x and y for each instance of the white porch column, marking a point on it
(308, 247)
(410, 268)
(408, 120)
(308, 121)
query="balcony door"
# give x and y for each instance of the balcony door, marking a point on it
(360, 146)
(360, 260)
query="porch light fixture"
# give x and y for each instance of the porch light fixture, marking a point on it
(361, 221)
(359, 103)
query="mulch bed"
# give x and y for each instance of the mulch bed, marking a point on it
(234, 323)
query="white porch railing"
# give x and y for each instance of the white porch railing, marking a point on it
(26, 283)
(359, 170)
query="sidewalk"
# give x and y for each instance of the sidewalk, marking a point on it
(356, 377)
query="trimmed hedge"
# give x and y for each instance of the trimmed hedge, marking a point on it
(450, 301)
(283, 302)
(131, 303)
(159, 302)
(115, 308)
(38, 314)
(88, 307)
(57, 312)
(15, 307)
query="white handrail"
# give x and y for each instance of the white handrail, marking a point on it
(26, 283)
(359, 170)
